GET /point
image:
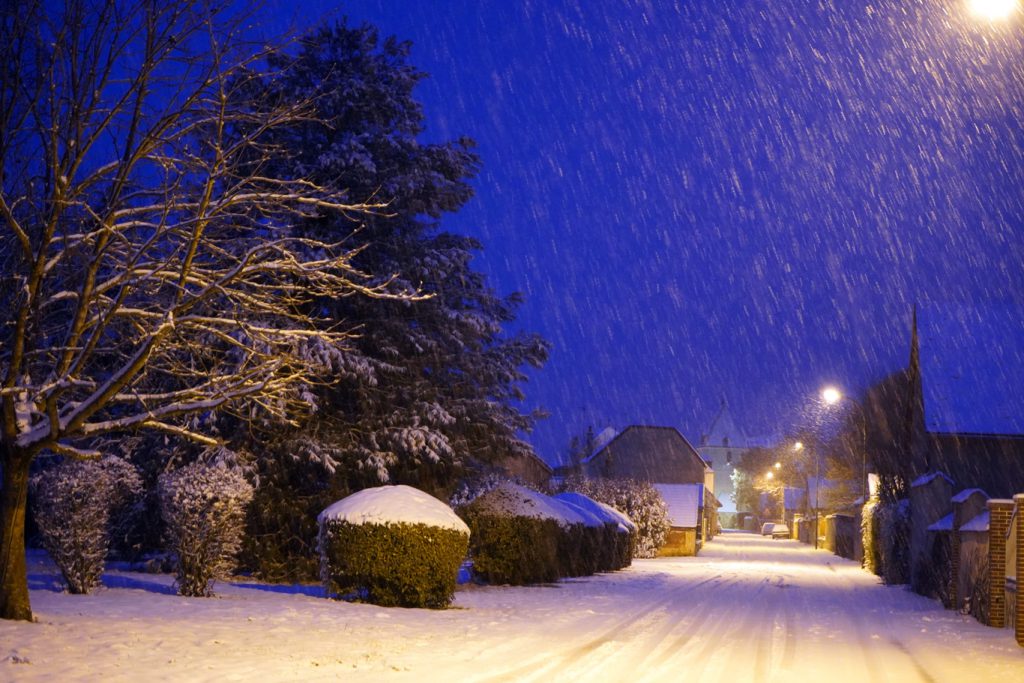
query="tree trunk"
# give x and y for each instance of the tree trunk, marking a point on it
(14, 603)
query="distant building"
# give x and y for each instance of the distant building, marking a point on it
(663, 457)
(721, 447)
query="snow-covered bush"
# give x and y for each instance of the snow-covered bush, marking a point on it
(203, 507)
(870, 537)
(520, 536)
(393, 546)
(478, 484)
(73, 504)
(609, 534)
(638, 500)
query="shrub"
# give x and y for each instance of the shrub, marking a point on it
(609, 534)
(870, 538)
(203, 507)
(393, 546)
(73, 505)
(516, 535)
(639, 501)
(894, 540)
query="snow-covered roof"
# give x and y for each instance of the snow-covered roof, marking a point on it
(967, 493)
(944, 524)
(601, 440)
(928, 478)
(520, 501)
(394, 505)
(683, 501)
(979, 523)
(971, 365)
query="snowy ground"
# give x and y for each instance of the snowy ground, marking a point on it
(747, 609)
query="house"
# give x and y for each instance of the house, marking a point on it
(527, 467)
(686, 505)
(663, 457)
(967, 402)
(722, 446)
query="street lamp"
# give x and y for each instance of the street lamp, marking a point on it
(993, 10)
(832, 396)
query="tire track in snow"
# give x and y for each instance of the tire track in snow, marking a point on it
(544, 663)
(638, 657)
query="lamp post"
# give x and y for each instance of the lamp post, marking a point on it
(797, 447)
(832, 396)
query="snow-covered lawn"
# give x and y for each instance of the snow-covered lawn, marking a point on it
(747, 609)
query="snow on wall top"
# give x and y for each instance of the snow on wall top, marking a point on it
(979, 523)
(393, 505)
(513, 499)
(967, 493)
(927, 478)
(683, 501)
(971, 365)
(944, 524)
(596, 510)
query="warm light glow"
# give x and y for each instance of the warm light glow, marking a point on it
(770, 475)
(993, 10)
(798, 446)
(830, 395)
(778, 465)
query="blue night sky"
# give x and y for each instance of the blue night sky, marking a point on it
(717, 198)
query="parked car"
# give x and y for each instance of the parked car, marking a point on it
(775, 530)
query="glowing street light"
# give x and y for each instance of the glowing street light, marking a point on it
(769, 475)
(831, 396)
(992, 10)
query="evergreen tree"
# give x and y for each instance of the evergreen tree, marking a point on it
(434, 389)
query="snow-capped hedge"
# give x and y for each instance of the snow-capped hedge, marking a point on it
(204, 508)
(73, 503)
(392, 546)
(612, 533)
(521, 536)
(639, 501)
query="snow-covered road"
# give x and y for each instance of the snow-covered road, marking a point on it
(747, 609)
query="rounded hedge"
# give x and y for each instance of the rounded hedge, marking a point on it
(392, 546)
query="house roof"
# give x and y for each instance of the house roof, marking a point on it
(654, 454)
(683, 501)
(967, 493)
(971, 365)
(601, 440)
(928, 478)
(944, 524)
(979, 523)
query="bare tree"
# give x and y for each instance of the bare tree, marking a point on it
(150, 275)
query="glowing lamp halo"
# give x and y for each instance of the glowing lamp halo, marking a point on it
(831, 395)
(992, 10)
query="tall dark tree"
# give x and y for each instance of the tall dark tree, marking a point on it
(440, 388)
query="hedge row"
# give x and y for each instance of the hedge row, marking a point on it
(519, 536)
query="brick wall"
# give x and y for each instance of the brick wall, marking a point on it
(1019, 596)
(1000, 512)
